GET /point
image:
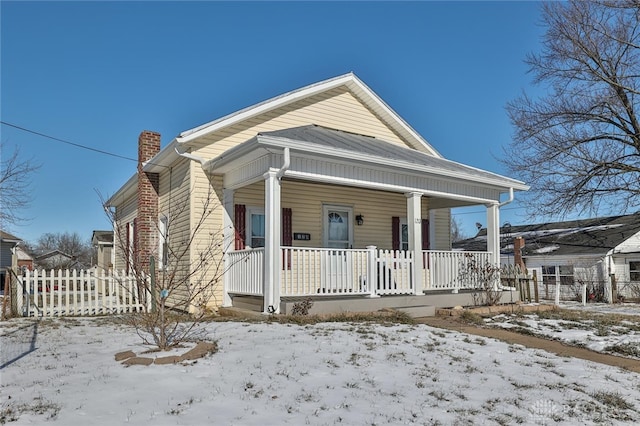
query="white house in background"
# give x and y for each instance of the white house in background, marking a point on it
(102, 241)
(573, 252)
(8, 259)
(322, 192)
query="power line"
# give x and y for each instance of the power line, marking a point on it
(478, 212)
(77, 145)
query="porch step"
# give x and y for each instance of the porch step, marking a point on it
(418, 311)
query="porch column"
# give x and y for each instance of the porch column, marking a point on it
(228, 235)
(493, 233)
(272, 255)
(414, 222)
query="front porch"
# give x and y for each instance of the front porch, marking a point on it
(353, 280)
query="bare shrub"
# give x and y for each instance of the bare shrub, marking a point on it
(302, 307)
(190, 270)
(483, 278)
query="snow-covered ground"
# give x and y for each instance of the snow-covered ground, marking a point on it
(613, 329)
(64, 372)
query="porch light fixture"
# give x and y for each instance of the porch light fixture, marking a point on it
(359, 220)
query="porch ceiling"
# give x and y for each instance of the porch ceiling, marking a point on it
(331, 156)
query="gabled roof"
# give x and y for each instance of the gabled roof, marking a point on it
(575, 237)
(54, 253)
(319, 140)
(8, 238)
(168, 154)
(102, 237)
(349, 80)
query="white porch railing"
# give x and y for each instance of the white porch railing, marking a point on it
(334, 272)
(79, 292)
(449, 270)
(321, 271)
(245, 272)
(394, 272)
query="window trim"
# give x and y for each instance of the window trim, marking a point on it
(633, 271)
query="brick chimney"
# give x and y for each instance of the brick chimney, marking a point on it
(518, 245)
(148, 185)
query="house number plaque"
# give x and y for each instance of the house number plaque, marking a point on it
(301, 236)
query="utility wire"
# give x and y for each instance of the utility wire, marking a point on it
(503, 209)
(77, 145)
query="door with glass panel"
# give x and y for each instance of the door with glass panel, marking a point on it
(338, 235)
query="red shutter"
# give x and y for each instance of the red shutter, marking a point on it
(135, 244)
(127, 254)
(395, 233)
(287, 235)
(240, 224)
(425, 242)
(425, 234)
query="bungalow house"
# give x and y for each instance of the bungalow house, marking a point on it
(575, 252)
(322, 192)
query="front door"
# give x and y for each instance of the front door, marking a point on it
(338, 235)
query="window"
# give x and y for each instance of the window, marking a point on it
(565, 272)
(404, 234)
(163, 238)
(255, 228)
(634, 270)
(549, 275)
(562, 274)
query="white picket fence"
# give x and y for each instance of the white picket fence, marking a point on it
(79, 292)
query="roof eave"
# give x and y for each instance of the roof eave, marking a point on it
(296, 145)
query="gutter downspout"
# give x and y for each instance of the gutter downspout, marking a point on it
(499, 285)
(286, 164)
(504, 203)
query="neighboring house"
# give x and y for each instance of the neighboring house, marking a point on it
(8, 259)
(574, 252)
(309, 189)
(102, 241)
(56, 259)
(25, 260)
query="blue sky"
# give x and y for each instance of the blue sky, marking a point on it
(98, 73)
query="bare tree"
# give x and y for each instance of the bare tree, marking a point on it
(457, 234)
(69, 243)
(189, 265)
(578, 146)
(15, 181)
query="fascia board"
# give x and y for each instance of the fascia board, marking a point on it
(125, 191)
(163, 159)
(500, 181)
(385, 187)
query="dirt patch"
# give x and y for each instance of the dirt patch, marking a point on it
(497, 309)
(201, 350)
(455, 324)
